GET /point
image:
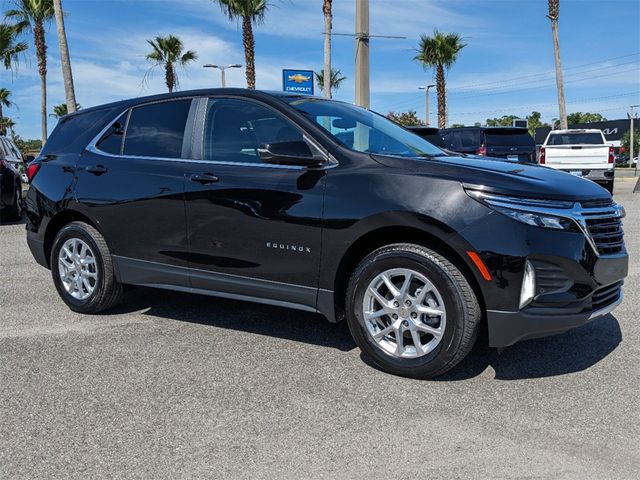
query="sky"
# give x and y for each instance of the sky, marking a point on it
(506, 68)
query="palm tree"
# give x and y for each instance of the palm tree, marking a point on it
(328, 71)
(554, 13)
(250, 11)
(32, 15)
(167, 51)
(10, 50)
(440, 52)
(4, 101)
(6, 124)
(65, 61)
(62, 110)
(335, 81)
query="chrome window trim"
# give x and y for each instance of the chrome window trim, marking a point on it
(91, 147)
(577, 213)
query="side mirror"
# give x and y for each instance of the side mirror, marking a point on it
(288, 153)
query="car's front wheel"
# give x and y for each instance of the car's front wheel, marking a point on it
(412, 311)
(82, 269)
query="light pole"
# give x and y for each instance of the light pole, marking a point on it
(426, 91)
(632, 115)
(222, 68)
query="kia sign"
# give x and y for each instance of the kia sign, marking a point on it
(297, 81)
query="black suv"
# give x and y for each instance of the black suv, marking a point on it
(512, 143)
(10, 181)
(430, 134)
(325, 207)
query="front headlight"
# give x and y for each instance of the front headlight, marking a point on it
(535, 212)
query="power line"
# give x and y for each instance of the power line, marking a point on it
(544, 73)
(534, 105)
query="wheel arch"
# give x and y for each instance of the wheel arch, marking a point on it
(56, 223)
(389, 235)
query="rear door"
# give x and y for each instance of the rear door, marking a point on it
(131, 181)
(512, 144)
(254, 228)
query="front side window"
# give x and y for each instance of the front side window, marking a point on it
(157, 129)
(362, 130)
(235, 129)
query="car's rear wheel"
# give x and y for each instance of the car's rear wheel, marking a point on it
(609, 186)
(412, 311)
(82, 269)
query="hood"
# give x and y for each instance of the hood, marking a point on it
(502, 177)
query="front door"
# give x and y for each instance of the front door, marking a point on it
(254, 228)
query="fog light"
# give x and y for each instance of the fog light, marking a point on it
(528, 285)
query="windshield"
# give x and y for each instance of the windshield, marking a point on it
(362, 130)
(508, 139)
(575, 139)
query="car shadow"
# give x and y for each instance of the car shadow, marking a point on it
(570, 352)
(295, 325)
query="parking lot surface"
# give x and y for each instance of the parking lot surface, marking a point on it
(172, 385)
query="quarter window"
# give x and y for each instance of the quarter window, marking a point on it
(111, 141)
(157, 130)
(235, 129)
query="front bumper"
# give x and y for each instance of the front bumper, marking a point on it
(561, 310)
(507, 328)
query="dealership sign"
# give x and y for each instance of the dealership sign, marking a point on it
(297, 81)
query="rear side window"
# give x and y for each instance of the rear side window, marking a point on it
(592, 138)
(462, 139)
(111, 141)
(157, 130)
(509, 139)
(74, 132)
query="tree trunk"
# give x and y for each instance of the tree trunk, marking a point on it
(326, 9)
(559, 80)
(249, 52)
(442, 97)
(65, 61)
(169, 76)
(2, 129)
(41, 54)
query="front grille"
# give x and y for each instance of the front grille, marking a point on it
(605, 296)
(604, 223)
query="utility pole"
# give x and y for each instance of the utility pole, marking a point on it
(362, 53)
(426, 91)
(632, 115)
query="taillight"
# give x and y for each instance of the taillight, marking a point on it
(611, 156)
(542, 155)
(32, 169)
(482, 151)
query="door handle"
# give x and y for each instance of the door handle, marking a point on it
(96, 169)
(203, 178)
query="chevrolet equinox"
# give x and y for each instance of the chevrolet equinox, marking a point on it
(325, 207)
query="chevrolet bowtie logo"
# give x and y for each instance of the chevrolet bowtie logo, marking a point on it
(299, 78)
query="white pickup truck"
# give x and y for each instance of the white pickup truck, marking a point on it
(580, 152)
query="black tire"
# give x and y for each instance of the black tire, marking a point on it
(14, 211)
(609, 186)
(463, 313)
(107, 291)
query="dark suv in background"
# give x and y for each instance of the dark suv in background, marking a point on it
(512, 143)
(430, 134)
(10, 180)
(325, 207)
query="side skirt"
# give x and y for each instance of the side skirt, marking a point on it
(158, 275)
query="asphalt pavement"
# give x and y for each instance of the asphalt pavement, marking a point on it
(172, 385)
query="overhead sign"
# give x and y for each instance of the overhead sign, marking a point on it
(297, 81)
